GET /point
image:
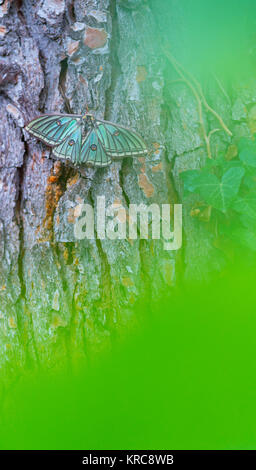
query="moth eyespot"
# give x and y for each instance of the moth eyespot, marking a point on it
(59, 123)
(71, 142)
(116, 133)
(93, 147)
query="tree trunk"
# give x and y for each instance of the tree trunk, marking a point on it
(64, 300)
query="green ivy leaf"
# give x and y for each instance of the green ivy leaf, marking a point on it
(250, 178)
(247, 152)
(246, 206)
(190, 178)
(246, 143)
(232, 164)
(245, 237)
(220, 193)
(248, 156)
(215, 162)
(248, 222)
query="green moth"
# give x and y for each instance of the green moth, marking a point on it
(85, 139)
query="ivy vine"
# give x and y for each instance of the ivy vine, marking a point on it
(226, 185)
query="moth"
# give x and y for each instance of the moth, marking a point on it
(83, 139)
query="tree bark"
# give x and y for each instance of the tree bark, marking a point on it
(62, 300)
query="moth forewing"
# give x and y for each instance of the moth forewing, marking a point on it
(52, 129)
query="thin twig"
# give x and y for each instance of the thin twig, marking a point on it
(196, 95)
(221, 87)
(208, 107)
(197, 91)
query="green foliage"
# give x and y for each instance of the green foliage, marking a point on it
(217, 192)
(247, 152)
(229, 188)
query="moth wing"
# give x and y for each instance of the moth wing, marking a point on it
(70, 148)
(53, 129)
(92, 151)
(120, 141)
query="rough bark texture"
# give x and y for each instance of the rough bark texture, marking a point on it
(61, 299)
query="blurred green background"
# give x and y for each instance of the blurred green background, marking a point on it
(217, 36)
(186, 381)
